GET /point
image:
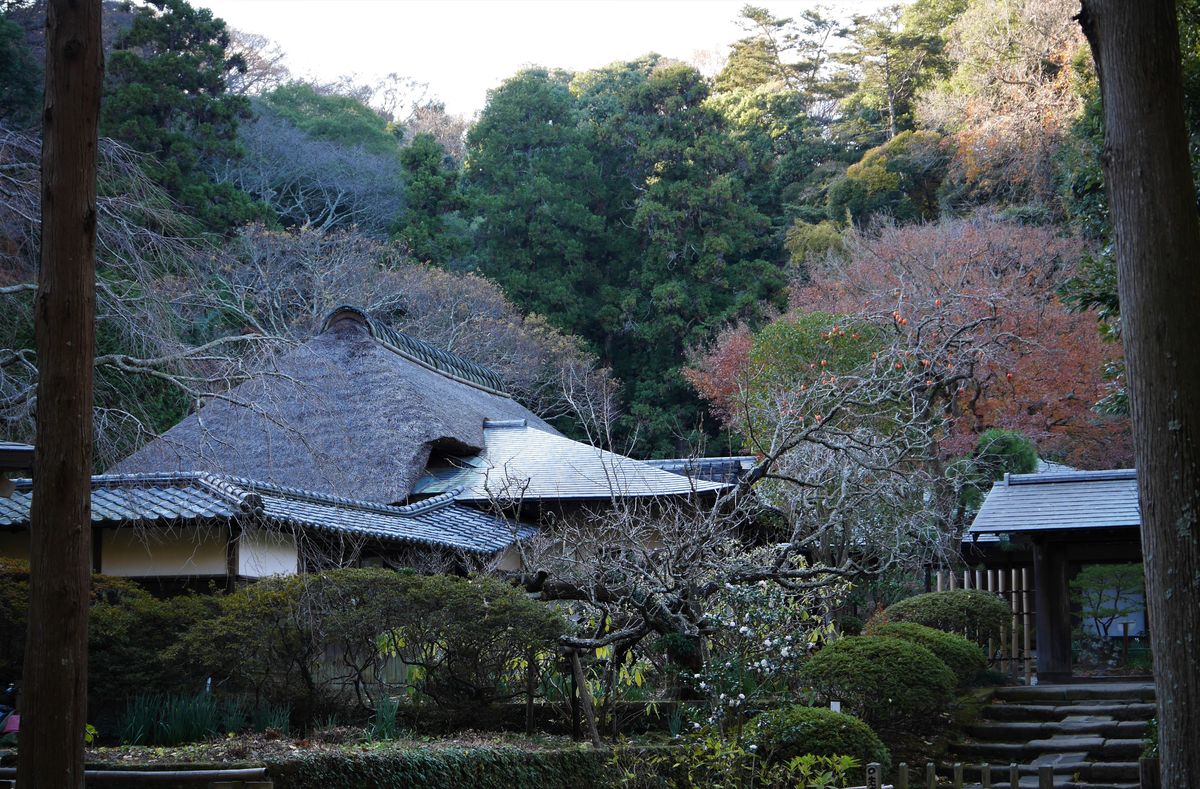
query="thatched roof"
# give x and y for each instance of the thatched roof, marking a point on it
(353, 412)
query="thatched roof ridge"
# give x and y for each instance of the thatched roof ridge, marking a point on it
(354, 412)
(421, 352)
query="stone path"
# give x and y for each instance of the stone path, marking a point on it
(1091, 734)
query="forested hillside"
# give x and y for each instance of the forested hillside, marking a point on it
(622, 244)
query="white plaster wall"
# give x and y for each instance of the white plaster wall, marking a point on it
(262, 553)
(509, 561)
(14, 545)
(134, 552)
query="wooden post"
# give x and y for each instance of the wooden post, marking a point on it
(957, 781)
(1004, 654)
(1028, 619)
(1015, 602)
(990, 578)
(930, 776)
(1053, 601)
(54, 686)
(1045, 777)
(531, 673)
(1149, 776)
(576, 716)
(902, 768)
(985, 776)
(585, 697)
(939, 580)
(1014, 776)
(966, 579)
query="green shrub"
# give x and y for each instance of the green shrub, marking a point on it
(971, 613)
(889, 683)
(462, 768)
(850, 625)
(784, 734)
(462, 640)
(128, 630)
(14, 607)
(963, 657)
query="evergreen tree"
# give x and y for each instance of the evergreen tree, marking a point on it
(20, 75)
(686, 240)
(165, 96)
(432, 192)
(531, 183)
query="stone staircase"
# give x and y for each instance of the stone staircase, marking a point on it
(1091, 734)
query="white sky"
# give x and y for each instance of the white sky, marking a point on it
(462, 48)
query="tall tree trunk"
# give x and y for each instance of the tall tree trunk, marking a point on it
(54, 696)
(1148, 175)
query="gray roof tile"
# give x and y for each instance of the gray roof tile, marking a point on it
(437, 522)
(1071, 500)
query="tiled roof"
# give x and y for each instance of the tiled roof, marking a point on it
(718, 469)
(423, 353)
(1072, 500)
(523, 462)
(437, 522)
(15, 457)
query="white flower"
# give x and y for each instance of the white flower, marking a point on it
(742, 697)
(754, 747)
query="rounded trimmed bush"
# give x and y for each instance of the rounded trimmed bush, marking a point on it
(889, 683)
(971, 613)
(961, 656)
(786, 733)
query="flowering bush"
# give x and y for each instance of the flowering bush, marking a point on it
(761, 635)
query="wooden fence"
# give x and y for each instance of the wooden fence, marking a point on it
(1013, 655)
(989, 776)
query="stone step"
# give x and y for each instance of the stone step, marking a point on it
(1021, 731)
(1087, 746)
(1090, 691)
(1130, 710)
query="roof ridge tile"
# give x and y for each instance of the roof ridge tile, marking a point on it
(449, 364)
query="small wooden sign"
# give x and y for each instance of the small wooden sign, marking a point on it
(874, 776)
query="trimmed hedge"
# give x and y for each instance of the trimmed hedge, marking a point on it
(889, 683)
(784, 734)
(971, 613)
(466, 768)
(961, 656)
